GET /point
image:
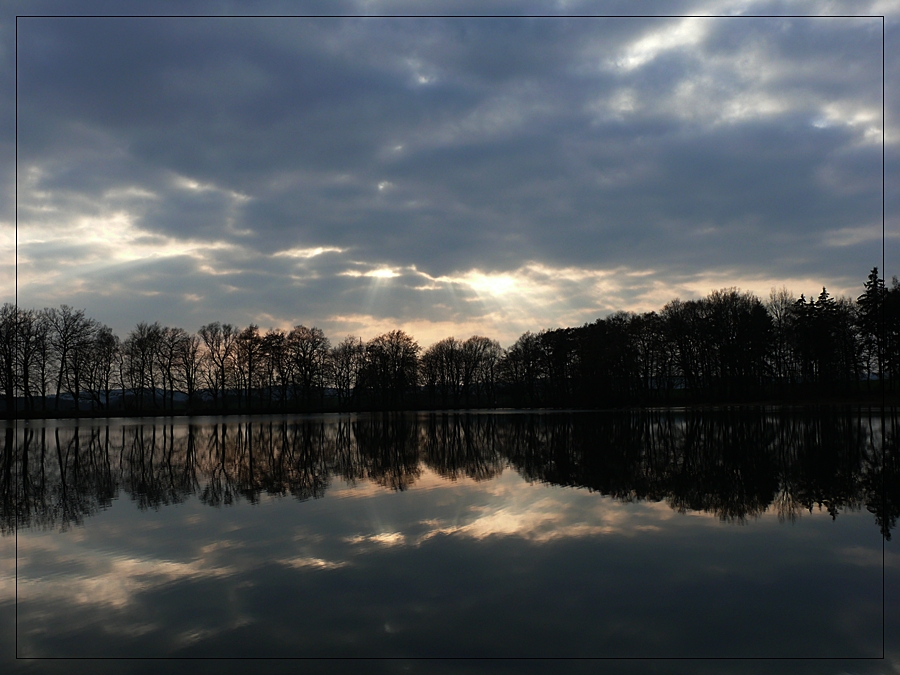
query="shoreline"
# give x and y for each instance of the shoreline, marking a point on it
(890, 402)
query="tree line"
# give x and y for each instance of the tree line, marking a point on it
(730, 346)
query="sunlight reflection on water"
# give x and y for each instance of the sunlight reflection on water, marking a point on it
(397, 559)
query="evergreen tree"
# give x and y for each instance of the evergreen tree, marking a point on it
(870, 321)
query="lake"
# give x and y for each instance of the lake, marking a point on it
(664, 534)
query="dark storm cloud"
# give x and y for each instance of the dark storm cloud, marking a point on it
(708, 147)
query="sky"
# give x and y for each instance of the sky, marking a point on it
(444, 176)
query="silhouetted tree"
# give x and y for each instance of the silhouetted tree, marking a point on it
(220, 341)
(141, 356)
(647, 335)
(892, 333)
(308, 351)
(168, 354)
(521, 369)
(724, 347)
(480, 358)
(442, 370)
(825, 343)
(871, 323)
(68, 337)
(347, 360)
(43, 355)
(249, 361)
(738, 340)
(608, 366)
(391, 369)
(190, 363)
(559, 360)
(275, 363)
(26, 343)
(80, 355)
(8, 356)
(784, 367)
(102, 367)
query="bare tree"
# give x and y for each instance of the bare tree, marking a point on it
(210, 374)
(43, 353)
(79, 359)
(67, 331)
(737, 337)
(308, 351)
(443, 369)
(480, 356)
(189, 361)
(220, 341)
(521, 368)
(683, 324)
(392, 365)
(8, 356)
(779, 307)
(141, 351)
(102, 366)
(277, 364)
(26, 352)
(248, 359)
(347, 361)
(170, 350)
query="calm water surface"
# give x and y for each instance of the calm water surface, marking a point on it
(484, 535)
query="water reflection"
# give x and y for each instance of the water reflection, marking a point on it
(736, 465)
(483, 535)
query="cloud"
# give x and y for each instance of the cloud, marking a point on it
(459, 175)
(448, 561)
(110, 581)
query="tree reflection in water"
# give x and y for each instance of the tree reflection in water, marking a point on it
(736, 464)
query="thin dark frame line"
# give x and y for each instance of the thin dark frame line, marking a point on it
(451, 658)
(883, 336)
(16, 421)
(450, 16)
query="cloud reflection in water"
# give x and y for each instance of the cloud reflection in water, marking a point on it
(461, 556)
